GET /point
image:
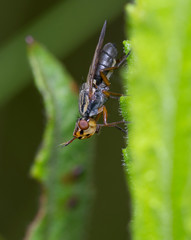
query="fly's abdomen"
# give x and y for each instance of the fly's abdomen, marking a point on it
(106, 59)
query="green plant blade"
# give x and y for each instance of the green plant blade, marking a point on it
(159, 152)
(65, 173)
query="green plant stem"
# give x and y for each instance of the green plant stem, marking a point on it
(159, 152)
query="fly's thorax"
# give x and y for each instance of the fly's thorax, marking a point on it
(100, 99)
(97, 102)
(90, 107)
(84, 100)
(85, 128)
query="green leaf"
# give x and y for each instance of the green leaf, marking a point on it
(159, 146)
(65, 173)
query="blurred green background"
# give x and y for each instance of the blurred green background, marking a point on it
(70, 30)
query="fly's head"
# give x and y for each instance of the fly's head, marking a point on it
(85, 128)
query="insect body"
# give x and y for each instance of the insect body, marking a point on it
(89, 106)
(95, 91)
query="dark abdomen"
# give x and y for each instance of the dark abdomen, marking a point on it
(106, 59)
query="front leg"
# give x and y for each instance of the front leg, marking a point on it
(104, 111)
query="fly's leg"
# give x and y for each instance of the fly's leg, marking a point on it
(118, 64)
(98, 116)
(98, 127)
(103, 76)
(100, 111)
(104, 111)
(121, 60)
(105, 115)
(112, 94)
(113, 124)
(107, 83)
(105, 123)
(121, 129)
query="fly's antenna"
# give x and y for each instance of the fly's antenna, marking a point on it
(67, 143)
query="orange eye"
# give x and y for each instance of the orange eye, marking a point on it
(83, 124)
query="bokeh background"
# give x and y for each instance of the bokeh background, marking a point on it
(70, 30)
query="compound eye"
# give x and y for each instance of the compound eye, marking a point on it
(83, 124)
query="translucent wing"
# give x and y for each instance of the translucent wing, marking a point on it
(93, 66)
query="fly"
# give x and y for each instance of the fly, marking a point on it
(94, 93)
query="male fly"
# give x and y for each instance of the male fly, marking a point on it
(95, 91)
